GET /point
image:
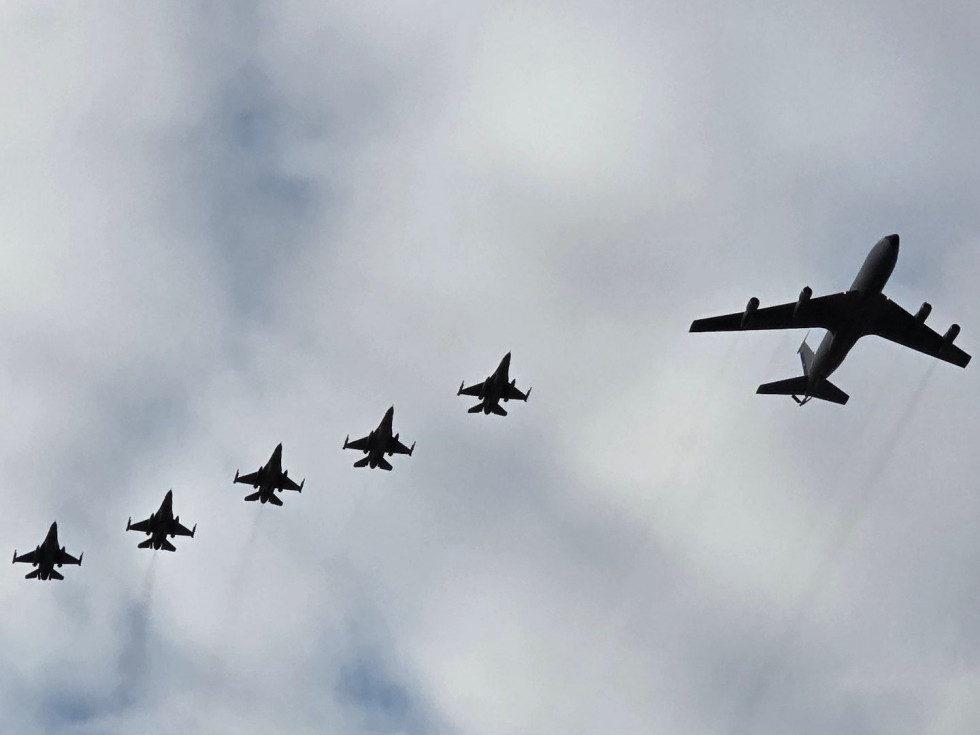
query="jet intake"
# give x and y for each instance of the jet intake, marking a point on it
(805, 295)
(749, 310)
(950, 335)
(923, 313)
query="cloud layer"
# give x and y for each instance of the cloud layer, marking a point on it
(227, 226)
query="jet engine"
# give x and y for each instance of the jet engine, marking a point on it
(749, 310)
(923, 313)
(805, 295)
(950, 335)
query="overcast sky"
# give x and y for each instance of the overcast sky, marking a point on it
(230, 224)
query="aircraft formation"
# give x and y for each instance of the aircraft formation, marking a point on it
(847, 316)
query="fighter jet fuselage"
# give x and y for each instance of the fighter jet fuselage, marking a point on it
(160, 525)
(496, 388)
(47, 556)
(380, 442)
(269, 479)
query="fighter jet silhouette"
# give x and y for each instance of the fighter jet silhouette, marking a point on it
(495, 388)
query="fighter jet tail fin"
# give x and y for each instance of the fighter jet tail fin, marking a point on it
(806, 356)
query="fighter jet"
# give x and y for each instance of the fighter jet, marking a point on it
(860, 311)
(268, 479)
(379, 442)
(46, 556)
(161, 524)
(490, 392)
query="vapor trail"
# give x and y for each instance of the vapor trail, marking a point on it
(133, 658)
(853, 513)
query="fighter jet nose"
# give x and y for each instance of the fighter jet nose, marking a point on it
(892, 241)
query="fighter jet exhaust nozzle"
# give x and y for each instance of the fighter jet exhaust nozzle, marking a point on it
(750, 309)
(923, 313)
(805, 295)
(950, 335)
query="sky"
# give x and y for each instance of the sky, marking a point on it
(230, 224)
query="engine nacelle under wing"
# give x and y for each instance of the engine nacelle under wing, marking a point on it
(749, 310)
(805, 295)
(950, 335)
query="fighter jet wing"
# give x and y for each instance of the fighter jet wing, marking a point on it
(181, 530)
(142, 526)
(515, 394)
(29, 558)
(473, 390)
(358, 444)
(823, 312)
(287, 483)
(398, 448)
(65, 558)
(897, 325)
(255, 478)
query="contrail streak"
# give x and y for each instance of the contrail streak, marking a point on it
(133, 659)
(854, 512)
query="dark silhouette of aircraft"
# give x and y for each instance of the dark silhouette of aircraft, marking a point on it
(860, 311)
(491, 391)
(268, 479)
(161, 524)
(378, 443)
(46, 556)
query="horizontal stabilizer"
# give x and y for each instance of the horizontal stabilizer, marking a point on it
(253, 496)
(32, 575)
(384, 464)
(362, 462)
(788, 387)
(476, 409)
(56, 575)
(497, 409)
(167, 546)
(145, 544)
(275, 500)
(825, 390)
